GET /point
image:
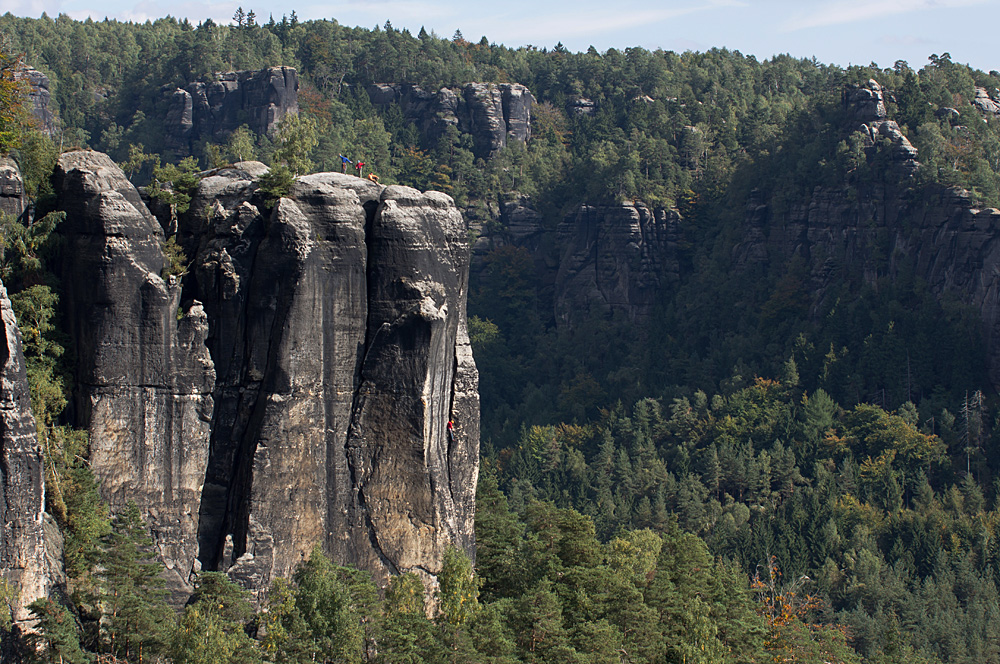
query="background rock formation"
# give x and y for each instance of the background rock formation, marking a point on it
(599, 260)
(210, 111)
(40, 100)
(12, 197)
(492, 113)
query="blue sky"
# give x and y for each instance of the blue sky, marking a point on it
(841, 32)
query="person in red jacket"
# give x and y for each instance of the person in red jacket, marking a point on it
(451, 432)
(360, 165)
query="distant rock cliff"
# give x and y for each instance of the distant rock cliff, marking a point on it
(598, 260)
(40, 100)
(292, 388)
(210, 111)
(492, 114)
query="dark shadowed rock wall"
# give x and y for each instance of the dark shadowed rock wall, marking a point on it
(492, 114)
(294, 387)
(598, 260)
(212, 110)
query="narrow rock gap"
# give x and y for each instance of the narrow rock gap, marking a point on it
(353, 452)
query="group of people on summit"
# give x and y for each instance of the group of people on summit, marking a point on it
(359, 166)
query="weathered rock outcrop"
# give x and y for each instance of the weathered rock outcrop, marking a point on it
(12, 197)
(599, 260)
(40, 100)
(212, 110)
(23, 561)
(144, 376)
(305, 402)
(492, 113)
(951, 245)
(985, 102)
(867, 104)
(338, 328)
(615, 259)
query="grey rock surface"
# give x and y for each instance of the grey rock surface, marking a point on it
(491, 113)
(866, 103)
(305, 402)
(212, 110)
(144, 375)
(338, 328)
(985, 103)
(40, 100)
(13, 200)
(23, 561)
(615, 259)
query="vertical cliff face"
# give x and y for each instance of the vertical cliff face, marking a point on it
(40, 100)
(598, 260)
(615, 259)
(22, 486)
(338, 328)
(211, 110)
(415, 485)
(293, 388)
(491, 113)
(948, 243)
(144, 376)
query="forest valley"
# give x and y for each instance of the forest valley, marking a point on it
(755, 473)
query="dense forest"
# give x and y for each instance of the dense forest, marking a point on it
(748, 476)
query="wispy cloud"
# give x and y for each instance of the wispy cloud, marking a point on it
(584, 21)
(370, 12)
(33, 8)
(852, 11)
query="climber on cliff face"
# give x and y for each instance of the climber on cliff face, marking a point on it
(344, 161)
(451, 432)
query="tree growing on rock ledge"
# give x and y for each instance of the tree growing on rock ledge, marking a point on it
(297, 136)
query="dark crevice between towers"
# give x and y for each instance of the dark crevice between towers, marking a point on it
(354, 437)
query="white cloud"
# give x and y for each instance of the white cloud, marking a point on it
(369, 12)
(32, 8)
(582, 21)
(851, 11)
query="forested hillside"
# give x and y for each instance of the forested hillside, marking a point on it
(791, 455)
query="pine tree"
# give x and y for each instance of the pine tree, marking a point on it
(136, 621)
(57, 640)
(213, 626)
